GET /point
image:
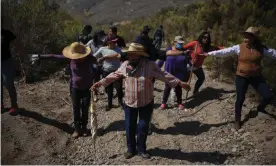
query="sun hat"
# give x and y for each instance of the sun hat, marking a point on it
(136, 48)
(178, 39)
(76, 51)
(254, 31)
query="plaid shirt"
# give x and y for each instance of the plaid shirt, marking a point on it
(139, 87)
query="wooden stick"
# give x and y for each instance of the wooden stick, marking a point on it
(66, 101)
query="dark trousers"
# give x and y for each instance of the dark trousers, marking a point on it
(81, 102)
(167, 90)
(200, 78)
(261, 87)
(7, 79)
(131, 115)
(109, 90)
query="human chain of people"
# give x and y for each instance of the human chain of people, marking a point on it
(103, 60)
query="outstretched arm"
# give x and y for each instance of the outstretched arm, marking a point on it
(235, 50)
(114, 76)
(167, 78)
(176, 52)
(270, 53)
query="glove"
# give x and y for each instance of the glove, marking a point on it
(179, 47)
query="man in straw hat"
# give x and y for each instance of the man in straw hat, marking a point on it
(250, 53)
(80, 82)
(138, 73)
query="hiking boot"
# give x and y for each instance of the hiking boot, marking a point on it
(129, 155)
(180, 107)
(163, 106)
(144, 155)
(76, 134)
(13, 111)
(237, 125)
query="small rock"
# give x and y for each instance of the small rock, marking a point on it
(257, 150)
(269, 137)
(234, 150)
(246, 134)
(241, 130)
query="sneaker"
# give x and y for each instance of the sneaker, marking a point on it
(13, 111)
(129, 155)
(86, 132)
(163, 106)
(180, 107)
(144, 155)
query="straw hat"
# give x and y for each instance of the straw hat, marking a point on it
(76, 51)
(178, 39)
(252, 31)
(136, 48)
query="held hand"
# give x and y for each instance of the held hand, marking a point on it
(193, 61)
(100, 60)
(185, 86)
(187, 51)
(96, 86)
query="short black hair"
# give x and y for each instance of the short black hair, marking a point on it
(87, 28)
(113, 29)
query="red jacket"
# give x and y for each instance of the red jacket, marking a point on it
(198, 59)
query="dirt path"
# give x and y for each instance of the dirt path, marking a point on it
(41, 134)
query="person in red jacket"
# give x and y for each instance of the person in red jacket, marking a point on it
(201, 45)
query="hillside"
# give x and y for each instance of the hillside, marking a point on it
(109, 11)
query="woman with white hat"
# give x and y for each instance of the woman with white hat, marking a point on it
(138, 73)
(250, 53)
(176, 64)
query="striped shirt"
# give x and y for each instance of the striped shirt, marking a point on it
(139, 87)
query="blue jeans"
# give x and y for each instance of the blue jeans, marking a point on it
(261, 87)
(131, 115)
(7, 79)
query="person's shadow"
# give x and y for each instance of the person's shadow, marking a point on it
(114, 126)
(40, 118)
(210, 157)
(206, 94)
(187, 128)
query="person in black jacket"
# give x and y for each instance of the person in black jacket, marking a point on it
(147, 42)
(85, 36)
(158, 37)
(113, 32)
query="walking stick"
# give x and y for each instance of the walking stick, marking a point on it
(94, 124)
(191, 75)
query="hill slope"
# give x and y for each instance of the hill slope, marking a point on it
(108, 11)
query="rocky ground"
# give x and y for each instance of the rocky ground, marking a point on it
(204, 135)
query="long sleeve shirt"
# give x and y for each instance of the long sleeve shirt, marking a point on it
(235, 50)
(81, 73)
(109, 65)
(139, 87)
